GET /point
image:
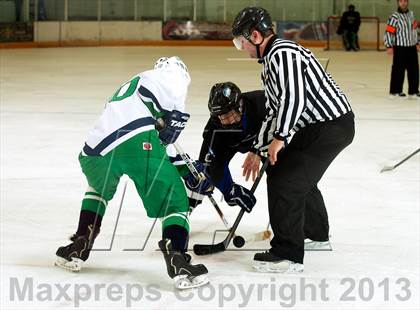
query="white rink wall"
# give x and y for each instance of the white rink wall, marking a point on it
(56, 31)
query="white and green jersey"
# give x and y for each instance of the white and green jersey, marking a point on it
(134, 108)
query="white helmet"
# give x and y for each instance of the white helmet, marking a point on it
(173, 63)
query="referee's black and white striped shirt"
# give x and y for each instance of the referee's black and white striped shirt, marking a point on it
(298, 92)
(401, 30)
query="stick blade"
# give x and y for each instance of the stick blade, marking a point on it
(206, 249)
(387, 168)
(261, 236)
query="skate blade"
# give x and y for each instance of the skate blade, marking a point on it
(284, 266)
(318, 246)
(183, 282)
(74, 265)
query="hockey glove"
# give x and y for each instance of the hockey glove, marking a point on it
(174, 123)
(240, 196)
(203, 185)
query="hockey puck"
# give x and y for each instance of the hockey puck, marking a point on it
(238, 241)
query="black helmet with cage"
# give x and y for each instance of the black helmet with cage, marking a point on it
(224, 97)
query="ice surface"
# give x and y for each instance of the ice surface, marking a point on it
(50, 99)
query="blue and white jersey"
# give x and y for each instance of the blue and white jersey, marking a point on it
(135, 107)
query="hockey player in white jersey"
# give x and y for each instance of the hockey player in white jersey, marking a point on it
(124, 141)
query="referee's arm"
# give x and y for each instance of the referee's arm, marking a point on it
(291, 101)
(391, 28)
(290, 81)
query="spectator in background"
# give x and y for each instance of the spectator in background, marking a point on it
(349, 27)
(18, 9)
(401, 40)
(42, 15)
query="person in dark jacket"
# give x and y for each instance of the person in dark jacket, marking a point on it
(235, 119)
(349, 27)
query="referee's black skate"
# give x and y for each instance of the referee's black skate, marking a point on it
(184, 274)
(268, 262)
(414, 96)
(312, 245)
(72, 256)
(397, 95)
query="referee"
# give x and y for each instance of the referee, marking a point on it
(301, 100)
(401, 40)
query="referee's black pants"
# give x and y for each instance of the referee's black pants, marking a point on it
(295, 204)
(405, 58)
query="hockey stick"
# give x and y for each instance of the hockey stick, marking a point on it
(160, 123)
(259, 236)
(189, 162)
(390, 168)
(238, 241)
(205, 249)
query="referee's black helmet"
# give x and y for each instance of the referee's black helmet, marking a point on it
(252, 18)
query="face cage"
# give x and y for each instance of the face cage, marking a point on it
(239, 110)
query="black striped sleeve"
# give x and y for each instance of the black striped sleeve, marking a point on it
(391, 28)
(262, 139)
(290, 81)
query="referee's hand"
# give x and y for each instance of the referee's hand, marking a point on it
(251, 165)
(273, 149)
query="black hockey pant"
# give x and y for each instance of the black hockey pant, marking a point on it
(405, 58)
(295, 204)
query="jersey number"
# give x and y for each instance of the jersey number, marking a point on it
(132, 86)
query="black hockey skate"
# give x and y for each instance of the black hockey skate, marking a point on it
(72, 256)
(268, 262)
(184, 274)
